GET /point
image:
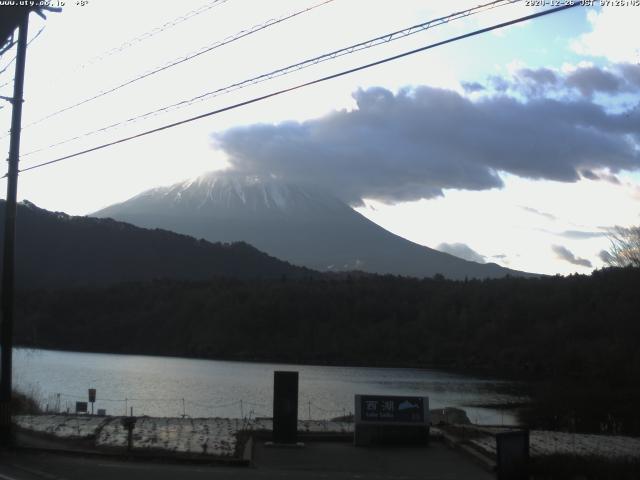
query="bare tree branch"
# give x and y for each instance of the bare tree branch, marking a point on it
(625, 247)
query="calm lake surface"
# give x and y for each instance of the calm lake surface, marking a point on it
(169, 387)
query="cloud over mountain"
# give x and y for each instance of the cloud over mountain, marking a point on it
(420, 141)
(462, 250)
(606, 257)
(581, 234)
(563, 253)
(546, 215)
(584, 79)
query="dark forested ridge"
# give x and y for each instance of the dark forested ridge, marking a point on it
(557, 325)
(581, 329)
(55, 249)
(579, 334)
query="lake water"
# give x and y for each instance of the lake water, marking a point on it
(169, 387)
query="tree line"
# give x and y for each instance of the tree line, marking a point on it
(577, 334)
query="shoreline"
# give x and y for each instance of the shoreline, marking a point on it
(227, 439)
(484, 373)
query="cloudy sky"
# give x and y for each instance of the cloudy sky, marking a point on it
(519, 147)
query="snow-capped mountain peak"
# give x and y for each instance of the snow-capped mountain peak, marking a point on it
(293, 222)
(225, 193)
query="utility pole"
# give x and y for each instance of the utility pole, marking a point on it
(8, 262)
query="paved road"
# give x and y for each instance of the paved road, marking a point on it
(315, 461)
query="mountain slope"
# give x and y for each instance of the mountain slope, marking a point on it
(299, 224)
(55, 249)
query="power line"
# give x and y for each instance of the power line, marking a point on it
(4, 85)
(151, 33)
(9, 45)
(8, 82)
(306, 84)
(145, 36)
(387, 38)
(173, 63)
(13, 59)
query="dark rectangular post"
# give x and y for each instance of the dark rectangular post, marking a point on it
(512, 452)
(285, 407)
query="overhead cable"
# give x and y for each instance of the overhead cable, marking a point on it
(178, 61)
(306, 84)
(151, 33)
(387, 38)
(13, 59)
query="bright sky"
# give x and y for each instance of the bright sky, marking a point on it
(526, 209)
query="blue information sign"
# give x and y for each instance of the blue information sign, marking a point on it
(383, 408)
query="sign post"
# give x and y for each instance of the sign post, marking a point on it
(92, 398)
(129, 423)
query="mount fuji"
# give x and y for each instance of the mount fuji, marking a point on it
(296, 223)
